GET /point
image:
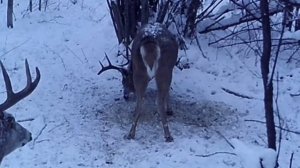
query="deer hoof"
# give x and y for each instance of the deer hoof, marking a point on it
(169, 139)
(126, 97)
(130, 136)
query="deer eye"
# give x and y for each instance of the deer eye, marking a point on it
(11, 122)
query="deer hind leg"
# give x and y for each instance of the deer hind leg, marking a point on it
(169, 107)
(163, 84)
(140, 88)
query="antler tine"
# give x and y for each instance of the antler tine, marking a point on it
(13, 98)
(7, 85)
(110, 66)
(7, 81)
(30, 85)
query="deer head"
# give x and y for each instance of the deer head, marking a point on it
(154, 54)
(12, 134)
(127, 81)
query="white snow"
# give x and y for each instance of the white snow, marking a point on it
(254, 156)
(80, 119)
(292, 35)
(152, 29)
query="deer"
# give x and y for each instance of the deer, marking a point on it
(12, 134)
(154, 53)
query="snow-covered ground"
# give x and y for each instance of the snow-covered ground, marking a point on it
(80, 118)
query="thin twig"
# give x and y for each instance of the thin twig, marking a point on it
(232, 34)
(14, 48)
(43, 140)
(25, 120)
(292, 55)
(38, 135)
(74, 54)
(291, 160)
(294, 94)
(230, 144)
(287, 42)
(215, 153)
(279, 118)
(208, 11)
(237, 94)
(200, 48)
(57, 126)
(54, 52)
(225, 25)
(246, 9)
(86, 60)
(277, 51)
(284, 129)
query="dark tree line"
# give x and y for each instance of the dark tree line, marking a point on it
(10, 6)
(129, 15)
(189, 19)
(39, 5)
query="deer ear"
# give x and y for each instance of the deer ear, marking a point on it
(11, 122)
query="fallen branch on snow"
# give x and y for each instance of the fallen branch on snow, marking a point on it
(14, 48)
(39, 134)
(294, 94)
(237, 94)
(291, 160)
(215, 153)
(284, 129)
(230, 144)
(25, 120)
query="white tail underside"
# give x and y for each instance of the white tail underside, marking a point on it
(151, 71)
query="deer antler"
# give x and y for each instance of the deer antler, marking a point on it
(13, 98)
(123, 71)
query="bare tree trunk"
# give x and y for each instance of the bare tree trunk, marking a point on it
(191, 14)
(127, 26)
(297, 22)
(133, 12)
(10, 6)
(40, 5)
(30, 5)
(144, 11)
(46, 4)
(153, 5)
(268, 84)
(116, 16)
(288, 14)
(163, 8)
